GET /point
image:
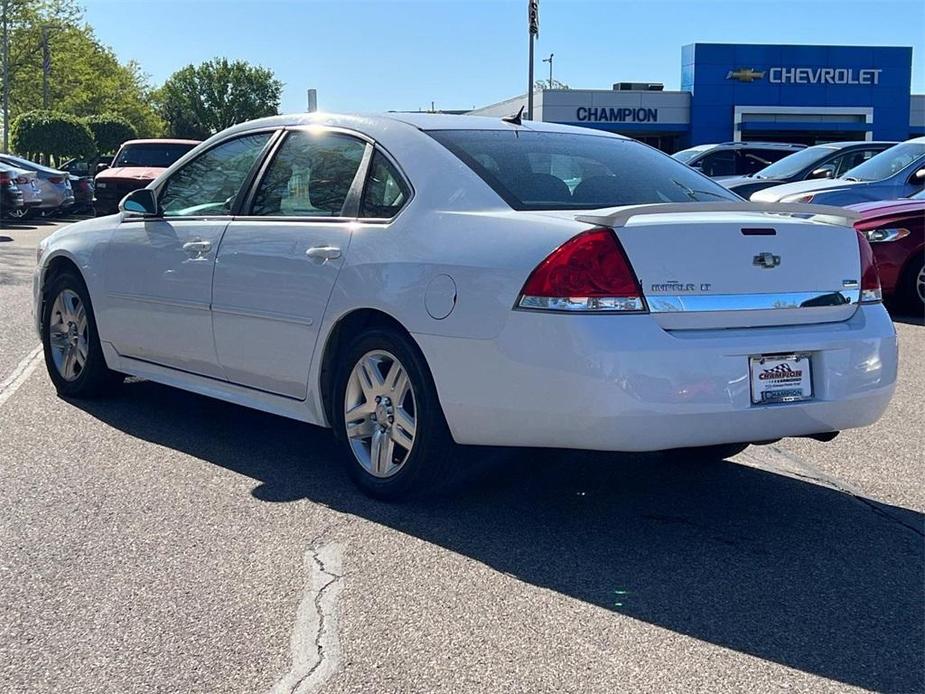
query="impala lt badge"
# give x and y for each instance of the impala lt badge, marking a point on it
(769, 261)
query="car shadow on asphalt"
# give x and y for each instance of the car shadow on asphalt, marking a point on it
(780, 568)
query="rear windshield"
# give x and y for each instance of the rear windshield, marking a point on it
(563, 171)
(151, 154)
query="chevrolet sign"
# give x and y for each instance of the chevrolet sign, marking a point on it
(808, 75)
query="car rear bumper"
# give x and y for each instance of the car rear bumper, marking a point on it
(623, 383)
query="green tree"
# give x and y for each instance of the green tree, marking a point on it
(51, 134)
(198, 101)
(85, 77)
(109, 132)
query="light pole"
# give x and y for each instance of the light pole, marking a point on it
(6, 77)
(549, 60)
(533, 19)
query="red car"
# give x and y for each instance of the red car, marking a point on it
(895, 229)
(137, 163)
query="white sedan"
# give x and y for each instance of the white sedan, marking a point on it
(417, 282)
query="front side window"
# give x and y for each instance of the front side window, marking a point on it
(719, 163)
(310, 176)
(561, 171)
(208, 184)
(849, 160)
(888, 162)
(385, 191)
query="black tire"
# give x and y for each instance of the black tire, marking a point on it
(429, 467)
(908, 290)
(95, 378)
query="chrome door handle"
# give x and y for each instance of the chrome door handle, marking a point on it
(197, 248)
(323, 252)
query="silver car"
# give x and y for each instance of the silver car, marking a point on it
(894, 173)
(31, 194)
(54, 186)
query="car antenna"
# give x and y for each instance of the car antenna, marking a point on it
(515, 119)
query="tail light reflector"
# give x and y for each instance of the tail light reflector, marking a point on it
(870, 277)
(22, 180)
(589, 272)
(56, 179)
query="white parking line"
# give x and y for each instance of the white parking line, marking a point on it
(20, 374)
(314, 645)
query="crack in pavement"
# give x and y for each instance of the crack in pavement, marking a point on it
(314, 644)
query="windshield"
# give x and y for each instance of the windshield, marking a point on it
(561, 171)
(887, 163)
(155, 155)
(686, 155)
(794, 163)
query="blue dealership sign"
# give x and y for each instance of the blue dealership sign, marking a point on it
(812, 85)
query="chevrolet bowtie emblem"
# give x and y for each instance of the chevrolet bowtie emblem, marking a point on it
(768, 261)
(745, 74)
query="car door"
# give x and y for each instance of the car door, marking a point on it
(278, 263)
(158, 271)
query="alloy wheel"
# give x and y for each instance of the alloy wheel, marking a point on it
(380, 413)
(920, 284)
(68, 332)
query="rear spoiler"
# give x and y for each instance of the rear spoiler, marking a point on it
(619, 216)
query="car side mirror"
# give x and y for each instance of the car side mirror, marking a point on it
(823, 172)
(101, 167)
(141, 202)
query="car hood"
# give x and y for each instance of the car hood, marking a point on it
(775, 193)
(888, 207)
(137, 173)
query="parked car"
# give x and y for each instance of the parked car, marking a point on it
(735, 158)
(896, 231)
(820, 161)
(54, 185)
(29, 189)
(895, 173)
(337, 279)
(87, 167)
(136, 164)
(11, 204)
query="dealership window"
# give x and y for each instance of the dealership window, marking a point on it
(310, 176)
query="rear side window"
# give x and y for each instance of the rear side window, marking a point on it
(558, 171)
(719, 163)
(385, 192)
(310, 176)
(753, 160)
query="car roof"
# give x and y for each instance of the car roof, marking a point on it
(161, 141)
(374, 122)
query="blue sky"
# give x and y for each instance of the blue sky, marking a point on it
(405, 54)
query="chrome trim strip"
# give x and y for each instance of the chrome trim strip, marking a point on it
(144, 299)
(262, 315)
(674, 303)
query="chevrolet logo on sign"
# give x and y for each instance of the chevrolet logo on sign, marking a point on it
(745, 74)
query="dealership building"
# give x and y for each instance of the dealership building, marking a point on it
(735, 92)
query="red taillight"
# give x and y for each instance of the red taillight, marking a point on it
(870, 278)
(4, 178)
(22, 180)
(590, 272)
(56, 179)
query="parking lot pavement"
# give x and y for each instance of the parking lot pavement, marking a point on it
(160, 541)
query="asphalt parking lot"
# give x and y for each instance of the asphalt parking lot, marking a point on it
(160, 541)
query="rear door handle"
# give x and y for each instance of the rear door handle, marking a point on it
(323, 253)
(197, 248)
